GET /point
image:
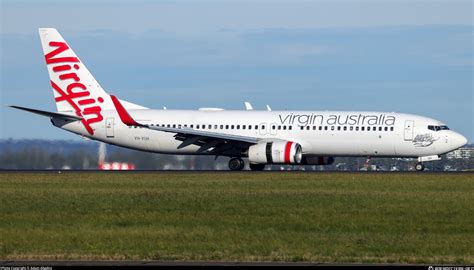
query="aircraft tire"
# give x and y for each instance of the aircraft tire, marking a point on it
(236, 164)
(419, 167)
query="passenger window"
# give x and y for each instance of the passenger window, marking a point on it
(290, 127)
(168, 125)
(357, 128)
(320, 127)
(362, 128)
(238, 126)
(256, 126)
(191, 126)
(231, 126)
(209, 127)
(386, 128)
(226, 126)
(284, 127)
(351, 128)
(273, 127)
(222, 126)
(326, 128)
(279, 127)
(243, 126)
(263, 127)
(338, 128)
(250, 126)
(302, 127)
(391, 128)
(345, 128)
(314, 127)
(380, 128)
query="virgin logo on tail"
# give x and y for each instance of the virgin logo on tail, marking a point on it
(76, 93)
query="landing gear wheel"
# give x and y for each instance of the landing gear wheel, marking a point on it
(257, 167)
(236, 164)
(419, 166)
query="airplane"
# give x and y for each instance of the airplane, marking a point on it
(261, 136)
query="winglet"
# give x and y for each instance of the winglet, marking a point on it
(124, 116)
(248, 106)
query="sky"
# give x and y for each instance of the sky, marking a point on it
(396, 56)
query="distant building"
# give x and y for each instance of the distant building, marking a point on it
(461, 153)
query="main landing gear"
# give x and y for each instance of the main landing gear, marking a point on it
(419, 167)
(236, 164)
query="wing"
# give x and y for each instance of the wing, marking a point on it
(221, 143)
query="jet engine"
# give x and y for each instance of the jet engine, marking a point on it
(275, 152)
(317, 160)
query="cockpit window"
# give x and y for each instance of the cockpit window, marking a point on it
(437, 128)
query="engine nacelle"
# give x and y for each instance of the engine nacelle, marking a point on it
(276, 152)
(317, 160)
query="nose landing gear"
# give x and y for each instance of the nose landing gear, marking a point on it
(236, 164)
(419, 167)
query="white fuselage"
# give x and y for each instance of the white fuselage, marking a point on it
(320, 133)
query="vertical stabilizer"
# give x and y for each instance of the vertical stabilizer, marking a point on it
(75, 89)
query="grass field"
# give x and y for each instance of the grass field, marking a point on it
(323, 217)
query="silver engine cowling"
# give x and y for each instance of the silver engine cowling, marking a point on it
(276, 152)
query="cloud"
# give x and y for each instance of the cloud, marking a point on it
(197, 17)
(301, 50)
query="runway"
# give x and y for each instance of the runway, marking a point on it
(235, 172)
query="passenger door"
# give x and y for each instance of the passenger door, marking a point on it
(109, 127)
(408, 131)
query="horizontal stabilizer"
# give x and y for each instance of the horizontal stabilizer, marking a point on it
(50, 114)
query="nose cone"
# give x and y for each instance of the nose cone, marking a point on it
(459, 140)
